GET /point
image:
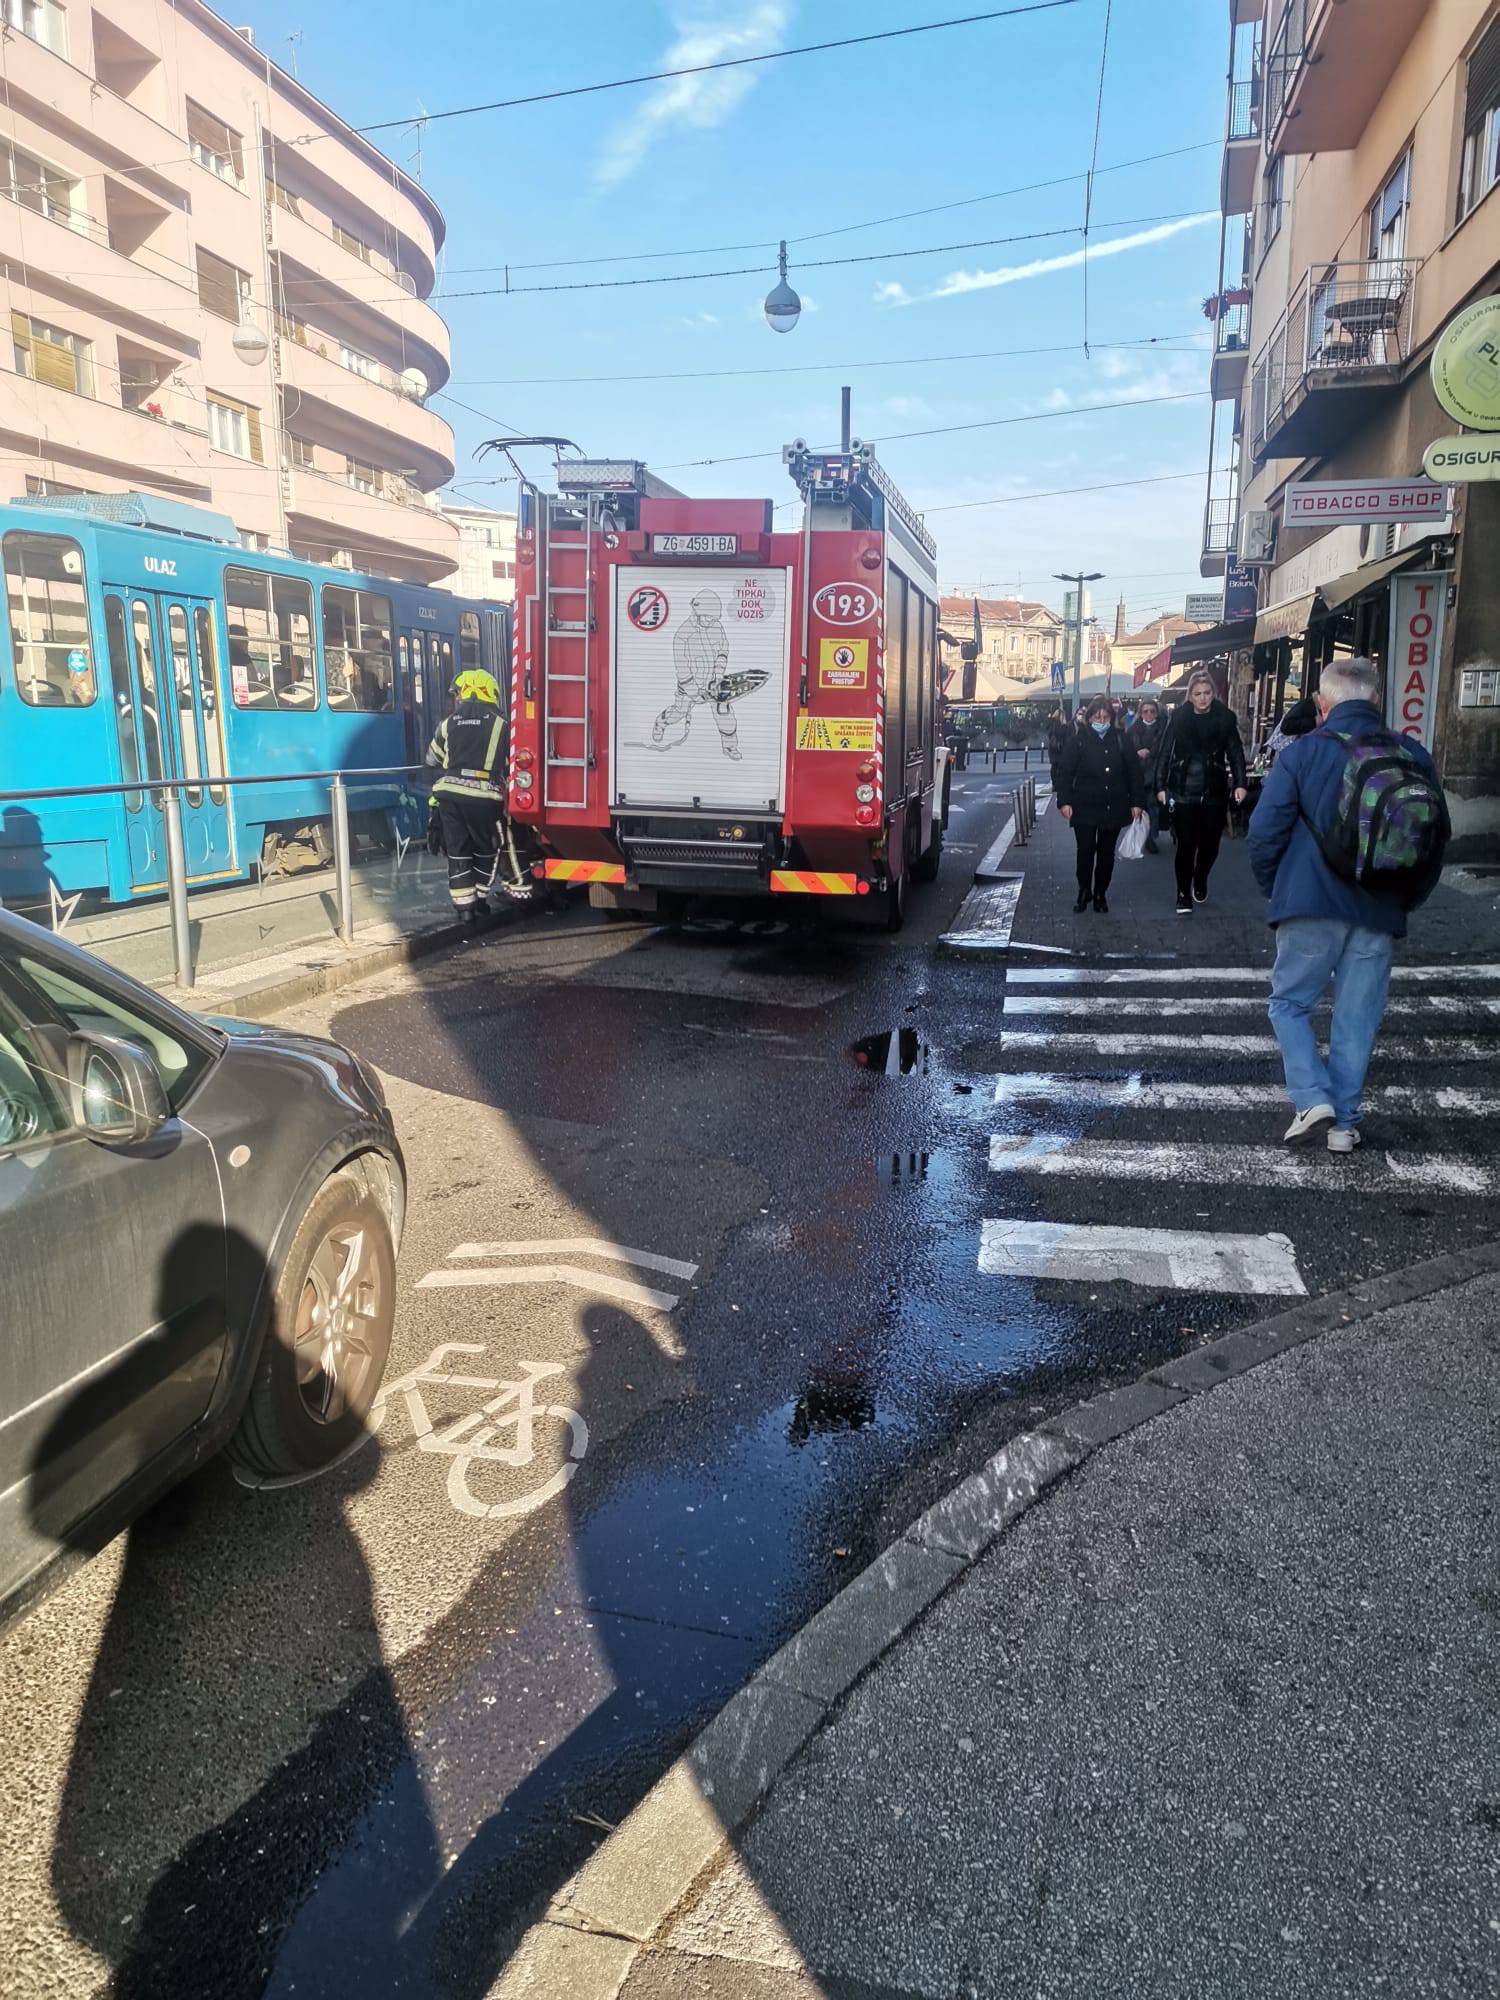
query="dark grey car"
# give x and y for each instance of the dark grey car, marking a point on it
(198, 1232)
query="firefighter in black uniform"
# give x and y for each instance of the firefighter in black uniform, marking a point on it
(470, 799)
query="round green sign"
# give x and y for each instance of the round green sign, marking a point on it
(1466, 367)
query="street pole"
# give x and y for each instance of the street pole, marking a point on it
(1078, 578)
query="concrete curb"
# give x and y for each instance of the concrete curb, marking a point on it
(259, 999)
(608, 1914)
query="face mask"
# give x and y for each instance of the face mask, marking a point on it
(1101, 728)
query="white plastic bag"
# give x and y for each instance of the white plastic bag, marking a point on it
(1132, 842)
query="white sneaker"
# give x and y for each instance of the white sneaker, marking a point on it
(1343, 1139)
(1308, 1124)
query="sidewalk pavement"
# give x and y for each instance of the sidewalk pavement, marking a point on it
(1218, 1714)
(1461, 920)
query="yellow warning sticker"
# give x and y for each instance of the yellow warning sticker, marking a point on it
(843, 663)
(836, 732)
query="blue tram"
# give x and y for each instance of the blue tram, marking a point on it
(142, 641)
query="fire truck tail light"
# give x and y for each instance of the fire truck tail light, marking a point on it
(861, 888)
(525, 759)
(865, 770)
(523, 781)
(870, 559)
(864, 793)
(865, 816)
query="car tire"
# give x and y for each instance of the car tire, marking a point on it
(325, 1347)
(894, 910)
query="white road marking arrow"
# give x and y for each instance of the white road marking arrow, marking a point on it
(598, 1282)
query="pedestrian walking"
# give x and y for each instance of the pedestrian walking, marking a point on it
(1346, 839)
(469, 795)
(1200, 763)
(1099, 789)
(1143, 737)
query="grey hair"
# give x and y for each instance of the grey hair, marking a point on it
(1356, 679)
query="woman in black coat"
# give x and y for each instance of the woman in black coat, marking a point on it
(1200, 762)
(1099, 788)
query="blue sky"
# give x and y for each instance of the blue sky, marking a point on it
(719, 168)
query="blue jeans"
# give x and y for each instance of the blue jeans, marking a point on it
(1311, 951)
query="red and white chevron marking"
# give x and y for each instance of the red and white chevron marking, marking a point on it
(880, 704)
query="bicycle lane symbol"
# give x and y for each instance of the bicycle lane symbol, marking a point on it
(476, 1438)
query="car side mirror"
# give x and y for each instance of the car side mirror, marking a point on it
(118, 1097)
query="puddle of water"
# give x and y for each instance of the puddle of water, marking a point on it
(897, 1052)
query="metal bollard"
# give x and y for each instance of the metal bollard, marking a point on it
(343, 880)
(177, 904)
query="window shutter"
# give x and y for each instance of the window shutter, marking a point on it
(20, 331)
(257, 448)
(1484, 76)
(54, 365)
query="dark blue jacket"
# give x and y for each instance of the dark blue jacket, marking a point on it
(1284, 851)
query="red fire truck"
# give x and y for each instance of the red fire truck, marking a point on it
(704, 704)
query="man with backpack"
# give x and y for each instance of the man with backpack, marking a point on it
(1348, 836)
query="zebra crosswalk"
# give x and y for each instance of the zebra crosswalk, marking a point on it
(1134, 1118)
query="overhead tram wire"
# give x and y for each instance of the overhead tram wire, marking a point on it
(704, 69)
(1088, 186)
(947, 430)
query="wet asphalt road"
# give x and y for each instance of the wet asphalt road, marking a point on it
(341, 1739)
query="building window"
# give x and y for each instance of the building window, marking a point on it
(1480, 168)
(141, 376)
(249, 539)
(1388, 212)
(47, 612)
(300, 453)
(51, 355)
(1273, 202)
(359, 363)
(43, 21)
(38, 488)
(357, 632)
(468, 639)
(355, 245)
(235, 428)
(32, 184)
(215, 145)
(270, 640)
(283, 197)
(223, 288)
(363, 478)
(504, 570)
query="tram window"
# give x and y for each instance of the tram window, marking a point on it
(468, 639)
(447, 646)
(208, 700)
(49, 621)
(187, 715)
(358, 631)
(119, 669)
(150, 709)
(270, 640)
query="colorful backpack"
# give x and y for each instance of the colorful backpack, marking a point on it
(1390, 824)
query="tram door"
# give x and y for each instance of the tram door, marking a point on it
(426, 661)
(169, 724)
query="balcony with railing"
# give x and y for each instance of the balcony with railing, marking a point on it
(1341, 345)
(1231, 347)
(1328, 67)
(1241, 147)
(1219, 519)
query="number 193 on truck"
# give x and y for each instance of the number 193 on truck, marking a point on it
(707, 705)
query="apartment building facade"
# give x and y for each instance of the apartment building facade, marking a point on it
(1020, 638)
(1361, 213)
(214, 290)
(486, 552)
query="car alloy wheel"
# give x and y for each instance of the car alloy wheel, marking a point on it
(340, 1305)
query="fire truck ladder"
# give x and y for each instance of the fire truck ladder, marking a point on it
(569, 623)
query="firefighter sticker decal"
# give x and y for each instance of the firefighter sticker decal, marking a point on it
(701, 662)
(700, 668)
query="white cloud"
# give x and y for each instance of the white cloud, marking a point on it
(892, 293)
(958, 283)
(697, 102)
(699, 320)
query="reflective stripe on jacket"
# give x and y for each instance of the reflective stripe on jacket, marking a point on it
(467, 749)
